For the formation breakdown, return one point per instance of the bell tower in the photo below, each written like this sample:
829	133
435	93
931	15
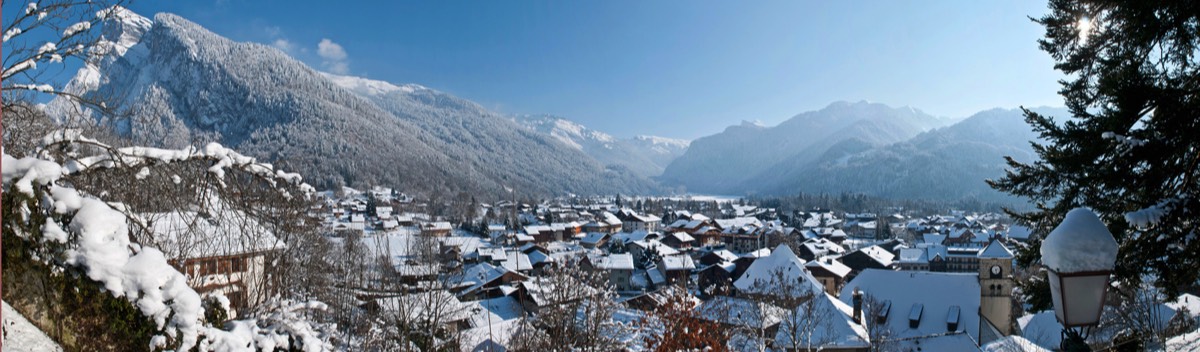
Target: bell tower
996	286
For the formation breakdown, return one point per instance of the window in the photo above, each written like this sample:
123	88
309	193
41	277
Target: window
238	265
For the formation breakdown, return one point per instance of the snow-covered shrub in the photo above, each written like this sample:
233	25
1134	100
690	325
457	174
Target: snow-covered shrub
79	235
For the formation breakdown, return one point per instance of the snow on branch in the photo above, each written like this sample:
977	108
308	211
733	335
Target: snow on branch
224	158
1150	216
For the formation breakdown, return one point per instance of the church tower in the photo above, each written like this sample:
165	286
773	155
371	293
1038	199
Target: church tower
996	286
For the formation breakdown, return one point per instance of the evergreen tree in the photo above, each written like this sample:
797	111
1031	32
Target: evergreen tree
1130	151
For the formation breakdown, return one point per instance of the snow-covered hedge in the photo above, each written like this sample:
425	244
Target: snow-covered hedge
95	235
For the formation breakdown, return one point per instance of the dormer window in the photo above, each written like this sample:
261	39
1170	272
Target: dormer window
914	315
952	319
882	316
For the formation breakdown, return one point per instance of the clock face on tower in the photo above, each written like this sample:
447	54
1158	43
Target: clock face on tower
995	271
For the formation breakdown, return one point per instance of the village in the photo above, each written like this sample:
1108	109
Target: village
799	281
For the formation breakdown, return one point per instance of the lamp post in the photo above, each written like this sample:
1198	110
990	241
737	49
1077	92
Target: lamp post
1079	256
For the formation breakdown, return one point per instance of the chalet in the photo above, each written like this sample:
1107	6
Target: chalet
830	272
872	257
436	229
633	221
594	240
716	275
740	314
676	268
746	259
217	254
763	276
679	240
482	280
618	267
718	256
819	247
841	327
647	250
382	212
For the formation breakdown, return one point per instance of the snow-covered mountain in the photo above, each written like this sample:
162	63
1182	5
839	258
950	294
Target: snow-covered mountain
948	163
177	83
645	155
749	156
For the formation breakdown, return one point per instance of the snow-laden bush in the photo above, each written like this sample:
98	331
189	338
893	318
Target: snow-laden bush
83	232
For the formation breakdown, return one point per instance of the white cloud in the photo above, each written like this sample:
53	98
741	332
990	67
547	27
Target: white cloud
283	44
330	50
334	56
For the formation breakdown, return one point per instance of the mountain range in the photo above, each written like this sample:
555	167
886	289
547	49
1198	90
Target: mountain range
646	156
174	83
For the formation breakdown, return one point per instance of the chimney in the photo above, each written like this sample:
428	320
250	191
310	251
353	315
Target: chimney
857	297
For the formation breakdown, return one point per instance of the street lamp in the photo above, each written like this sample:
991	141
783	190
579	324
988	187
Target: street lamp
1079	255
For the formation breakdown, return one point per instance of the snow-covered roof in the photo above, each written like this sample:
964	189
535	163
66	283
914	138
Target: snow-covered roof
879	254
760	277
738	222
937	292
496	310
933	238
757	253
188	235
831	265
1019	232
1013	343
1187	301
836	330
683	237
740	312
662	248
677	262
725	255
516	261
422	305
913	256
622	261
996	250
1080	243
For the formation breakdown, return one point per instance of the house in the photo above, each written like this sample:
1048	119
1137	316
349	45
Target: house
679	240
925	310
830	272
434	305
838	327
676	268
218	254
715	276
648	250
718	256
633	221
482	280
436	229
814	248
619	268
782	274
873	257
741	315
594	240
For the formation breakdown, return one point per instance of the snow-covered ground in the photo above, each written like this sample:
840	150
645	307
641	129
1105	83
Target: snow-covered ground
21	335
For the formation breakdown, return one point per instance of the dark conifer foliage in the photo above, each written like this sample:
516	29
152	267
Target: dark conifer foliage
1130	149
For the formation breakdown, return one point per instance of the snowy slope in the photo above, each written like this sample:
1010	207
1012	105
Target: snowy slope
647	156
20	335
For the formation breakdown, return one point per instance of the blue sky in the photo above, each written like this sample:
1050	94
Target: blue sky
680	69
